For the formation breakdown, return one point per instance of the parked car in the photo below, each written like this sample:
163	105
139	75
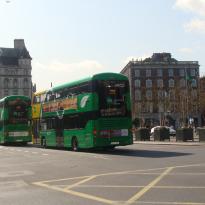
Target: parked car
172	131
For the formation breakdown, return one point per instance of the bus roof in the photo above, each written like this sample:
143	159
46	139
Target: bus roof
100	76
12	97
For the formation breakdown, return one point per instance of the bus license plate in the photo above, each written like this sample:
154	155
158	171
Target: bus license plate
115	143
124	132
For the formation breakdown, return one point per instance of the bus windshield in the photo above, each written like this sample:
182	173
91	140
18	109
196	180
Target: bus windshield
112	97
18	111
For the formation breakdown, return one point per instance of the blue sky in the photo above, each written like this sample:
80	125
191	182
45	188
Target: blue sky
72	39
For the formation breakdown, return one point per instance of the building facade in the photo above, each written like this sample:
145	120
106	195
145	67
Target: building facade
202	100
164	91
15	70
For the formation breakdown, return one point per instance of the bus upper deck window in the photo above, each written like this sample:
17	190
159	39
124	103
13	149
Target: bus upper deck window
42	98
57	95
34	99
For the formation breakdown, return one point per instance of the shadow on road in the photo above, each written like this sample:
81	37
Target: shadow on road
141	153
122	152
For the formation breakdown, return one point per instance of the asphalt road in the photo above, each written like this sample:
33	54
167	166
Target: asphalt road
137	174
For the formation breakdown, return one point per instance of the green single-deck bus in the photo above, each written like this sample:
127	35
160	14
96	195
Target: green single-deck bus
15	120
89	113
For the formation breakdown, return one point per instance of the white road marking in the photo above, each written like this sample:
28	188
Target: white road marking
15	173
133	200
34	152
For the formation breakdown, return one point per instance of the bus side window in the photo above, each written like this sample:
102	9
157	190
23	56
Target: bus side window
52	97
48	96
43	98
35	99
57	95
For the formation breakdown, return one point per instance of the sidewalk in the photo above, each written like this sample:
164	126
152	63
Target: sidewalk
172	142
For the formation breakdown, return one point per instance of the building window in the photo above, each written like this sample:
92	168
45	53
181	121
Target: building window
25	82
6	92
182	83
148	73
181	73
160	94
193	72
15	83
137	95
25	72
25	92
172	107
15	92
148	83
171	83
137	83
159	72
193	83
27	62
194	94
149	95
195	108
170	72
161	107
172	95
137	73
138	108
149	107
6	83
159	83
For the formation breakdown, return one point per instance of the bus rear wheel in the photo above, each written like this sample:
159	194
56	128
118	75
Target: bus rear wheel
24	143
74	144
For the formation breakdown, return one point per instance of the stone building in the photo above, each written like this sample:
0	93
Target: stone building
15	70
164	91
202	100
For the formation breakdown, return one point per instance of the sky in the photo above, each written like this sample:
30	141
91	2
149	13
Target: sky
73	39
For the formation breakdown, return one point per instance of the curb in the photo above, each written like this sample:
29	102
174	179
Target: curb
170	143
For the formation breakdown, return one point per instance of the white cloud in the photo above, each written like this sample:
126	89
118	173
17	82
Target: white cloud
58	72
186	50
195	6
195	25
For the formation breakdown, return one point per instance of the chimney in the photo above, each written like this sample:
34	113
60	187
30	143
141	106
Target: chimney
19	43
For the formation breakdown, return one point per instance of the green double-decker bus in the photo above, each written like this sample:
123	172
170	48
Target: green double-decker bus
89	113
15	120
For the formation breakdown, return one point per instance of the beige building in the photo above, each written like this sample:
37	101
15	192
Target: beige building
15	70
164	90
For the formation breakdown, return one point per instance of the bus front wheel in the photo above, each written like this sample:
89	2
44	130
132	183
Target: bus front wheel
74	144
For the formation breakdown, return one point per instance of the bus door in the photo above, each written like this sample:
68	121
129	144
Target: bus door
36	130
59	132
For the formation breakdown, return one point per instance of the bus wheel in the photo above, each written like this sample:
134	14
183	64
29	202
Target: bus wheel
24	143
74	144
112	147
43	143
